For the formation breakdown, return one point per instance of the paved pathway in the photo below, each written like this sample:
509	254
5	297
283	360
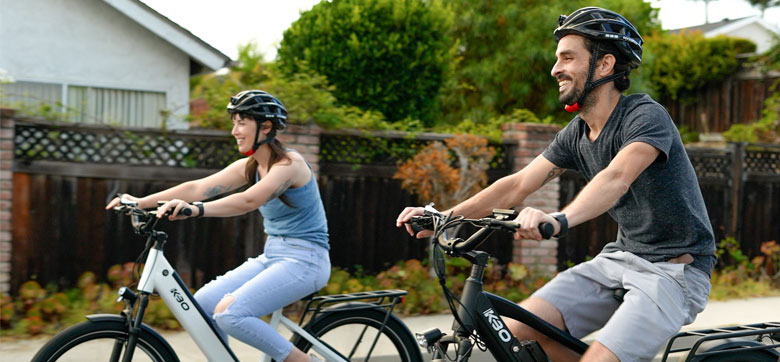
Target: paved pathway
717	314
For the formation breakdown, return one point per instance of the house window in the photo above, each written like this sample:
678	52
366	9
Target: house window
31	98
82	104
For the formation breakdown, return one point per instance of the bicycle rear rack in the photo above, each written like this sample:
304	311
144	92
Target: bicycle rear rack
760	332
384	299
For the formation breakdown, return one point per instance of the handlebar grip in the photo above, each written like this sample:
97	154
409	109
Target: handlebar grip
420	223
186	212
547	230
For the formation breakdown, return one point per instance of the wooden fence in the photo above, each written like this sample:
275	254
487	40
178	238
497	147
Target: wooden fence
362	201
62	176
736	100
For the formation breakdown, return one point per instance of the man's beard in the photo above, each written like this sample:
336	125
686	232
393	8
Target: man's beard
571	96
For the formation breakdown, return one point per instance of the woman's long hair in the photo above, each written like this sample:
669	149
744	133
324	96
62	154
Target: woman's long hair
278	154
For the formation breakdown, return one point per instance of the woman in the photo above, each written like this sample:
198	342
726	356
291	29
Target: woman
295	262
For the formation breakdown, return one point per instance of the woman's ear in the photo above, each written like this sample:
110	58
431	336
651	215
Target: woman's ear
266	127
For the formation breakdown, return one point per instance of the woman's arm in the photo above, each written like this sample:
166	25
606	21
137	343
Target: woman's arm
227	179
281	177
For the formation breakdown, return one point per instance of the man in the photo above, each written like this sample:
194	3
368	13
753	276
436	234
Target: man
629	150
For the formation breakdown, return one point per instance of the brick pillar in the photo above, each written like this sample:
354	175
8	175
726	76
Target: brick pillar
304	139
6	193
532	139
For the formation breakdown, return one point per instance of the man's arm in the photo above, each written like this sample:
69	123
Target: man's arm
609	185
509	191
599	195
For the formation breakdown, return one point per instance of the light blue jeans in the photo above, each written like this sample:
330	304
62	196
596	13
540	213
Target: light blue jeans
288	270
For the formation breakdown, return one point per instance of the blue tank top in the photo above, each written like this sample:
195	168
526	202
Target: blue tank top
305	220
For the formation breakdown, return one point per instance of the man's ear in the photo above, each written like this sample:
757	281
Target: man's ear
607	65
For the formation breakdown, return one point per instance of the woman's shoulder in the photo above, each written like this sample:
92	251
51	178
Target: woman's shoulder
296	159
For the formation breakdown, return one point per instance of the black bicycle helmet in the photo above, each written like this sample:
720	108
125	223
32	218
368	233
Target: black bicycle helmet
602	25
262	107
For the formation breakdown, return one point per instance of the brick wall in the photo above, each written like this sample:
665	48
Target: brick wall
304	139
531	140
6	192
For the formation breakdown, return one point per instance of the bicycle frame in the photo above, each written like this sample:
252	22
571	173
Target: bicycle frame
482	311
277	318
159	276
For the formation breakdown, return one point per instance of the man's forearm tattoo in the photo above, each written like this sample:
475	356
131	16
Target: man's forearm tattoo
555	172
282	188
216	190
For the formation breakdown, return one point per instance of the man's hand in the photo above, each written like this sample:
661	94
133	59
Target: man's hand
406	215
530	219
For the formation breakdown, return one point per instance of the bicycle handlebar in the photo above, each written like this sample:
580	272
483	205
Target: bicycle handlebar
433	220
143	221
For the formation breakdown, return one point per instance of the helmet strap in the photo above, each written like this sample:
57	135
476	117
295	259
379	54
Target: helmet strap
270	138
591	85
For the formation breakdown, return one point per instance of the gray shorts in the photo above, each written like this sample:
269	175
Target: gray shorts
661	298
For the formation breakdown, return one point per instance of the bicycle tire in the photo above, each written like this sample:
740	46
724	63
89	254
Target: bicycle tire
395	336
91	338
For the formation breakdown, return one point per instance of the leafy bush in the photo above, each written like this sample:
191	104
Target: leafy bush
687	134
39	310
685	62
737	276
384	55
766	129
307	95
431	176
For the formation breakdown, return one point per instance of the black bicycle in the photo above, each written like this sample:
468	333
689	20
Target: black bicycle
478	314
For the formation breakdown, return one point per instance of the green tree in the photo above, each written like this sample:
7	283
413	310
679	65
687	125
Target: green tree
507	50
384	55
307	95
685	62
764	4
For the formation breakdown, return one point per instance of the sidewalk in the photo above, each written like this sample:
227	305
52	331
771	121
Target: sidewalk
717	314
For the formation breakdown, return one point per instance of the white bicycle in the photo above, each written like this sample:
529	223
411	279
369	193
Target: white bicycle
345	327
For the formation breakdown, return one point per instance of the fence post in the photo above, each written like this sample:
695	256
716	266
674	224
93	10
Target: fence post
737	182
304	138
532	139
6	195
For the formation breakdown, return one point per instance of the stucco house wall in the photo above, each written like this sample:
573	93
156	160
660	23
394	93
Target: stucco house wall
116	44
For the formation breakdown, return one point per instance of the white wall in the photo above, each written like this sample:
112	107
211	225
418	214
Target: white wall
757	34
87	42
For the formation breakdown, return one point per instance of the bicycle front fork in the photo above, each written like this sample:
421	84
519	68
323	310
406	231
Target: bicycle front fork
133	325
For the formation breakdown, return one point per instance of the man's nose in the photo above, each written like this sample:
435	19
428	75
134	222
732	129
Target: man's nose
555	70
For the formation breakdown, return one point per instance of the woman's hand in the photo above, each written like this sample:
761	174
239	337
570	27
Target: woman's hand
115	201
176	207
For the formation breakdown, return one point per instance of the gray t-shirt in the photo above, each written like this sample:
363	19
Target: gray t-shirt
662	215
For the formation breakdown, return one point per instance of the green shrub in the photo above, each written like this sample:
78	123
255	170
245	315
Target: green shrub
685	62
766	129
738	276
384	55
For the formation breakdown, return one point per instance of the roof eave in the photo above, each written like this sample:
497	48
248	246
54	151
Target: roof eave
198	50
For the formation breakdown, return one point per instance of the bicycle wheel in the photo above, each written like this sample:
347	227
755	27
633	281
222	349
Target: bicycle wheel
352	333
102	341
